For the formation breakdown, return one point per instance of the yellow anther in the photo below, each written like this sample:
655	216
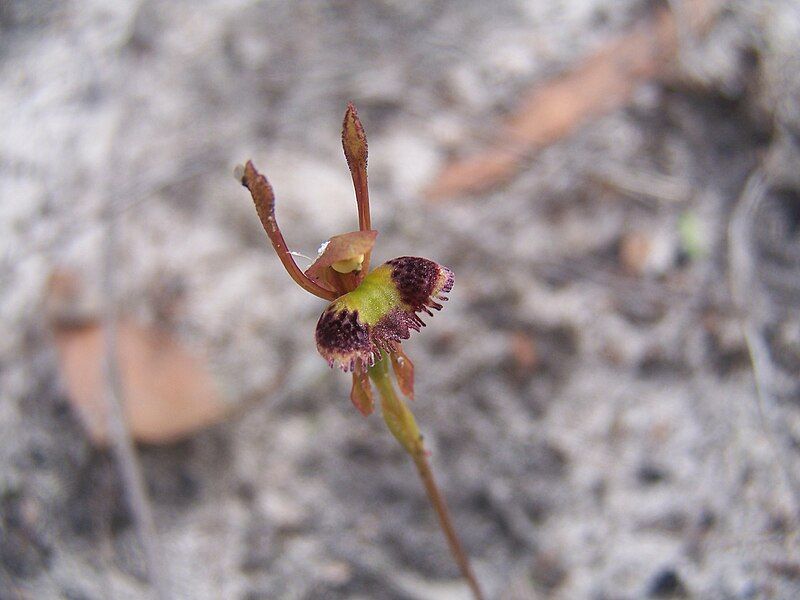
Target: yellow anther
349	264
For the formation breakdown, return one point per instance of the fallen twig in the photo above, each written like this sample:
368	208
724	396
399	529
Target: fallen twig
119	434
742	271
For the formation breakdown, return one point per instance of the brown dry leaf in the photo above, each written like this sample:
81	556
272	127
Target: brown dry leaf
523	352
552	110
168	392
634	251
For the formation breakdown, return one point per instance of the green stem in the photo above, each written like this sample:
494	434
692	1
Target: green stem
403	426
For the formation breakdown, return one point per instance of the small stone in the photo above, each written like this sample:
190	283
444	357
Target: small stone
647	253
287	516
666	584
336	572
547	571
649	474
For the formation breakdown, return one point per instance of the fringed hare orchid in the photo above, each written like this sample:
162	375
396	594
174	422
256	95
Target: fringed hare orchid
369	312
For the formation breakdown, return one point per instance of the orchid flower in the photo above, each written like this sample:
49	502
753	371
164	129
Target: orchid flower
369	312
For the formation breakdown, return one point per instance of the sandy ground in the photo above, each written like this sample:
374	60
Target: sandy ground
588	393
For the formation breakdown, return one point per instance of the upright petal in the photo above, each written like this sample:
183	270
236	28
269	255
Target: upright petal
340	249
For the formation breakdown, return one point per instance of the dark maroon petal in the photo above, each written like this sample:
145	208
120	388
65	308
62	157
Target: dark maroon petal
342	338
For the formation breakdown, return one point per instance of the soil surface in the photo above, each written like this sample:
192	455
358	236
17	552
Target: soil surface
588	394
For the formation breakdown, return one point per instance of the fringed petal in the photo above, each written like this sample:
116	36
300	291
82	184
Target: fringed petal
381	311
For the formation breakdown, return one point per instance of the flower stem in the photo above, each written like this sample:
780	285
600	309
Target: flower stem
403	426
436	499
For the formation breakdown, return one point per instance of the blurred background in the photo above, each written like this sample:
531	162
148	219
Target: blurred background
610	396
